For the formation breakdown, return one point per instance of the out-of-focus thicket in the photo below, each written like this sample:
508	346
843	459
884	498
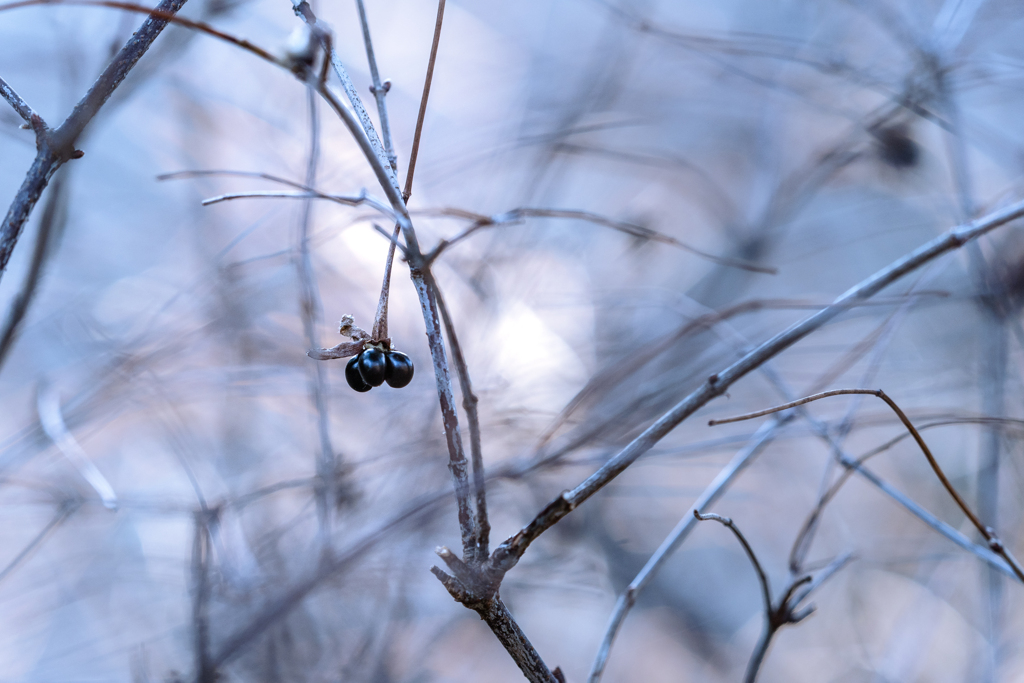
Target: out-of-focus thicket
820	139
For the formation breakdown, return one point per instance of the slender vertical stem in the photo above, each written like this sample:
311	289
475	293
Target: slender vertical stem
993	306
309	304
423	101
993	375
206	670
51	225
381	319
380	322
457	464
469	403
757	657
303	9
380	90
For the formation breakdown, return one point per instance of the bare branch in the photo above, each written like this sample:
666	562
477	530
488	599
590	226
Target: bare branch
778	614
457	463
379	90
303	9
505	628
56	147
310	312
469	402
64	511
206	671
987	532
766	589
14	99
414	154
51	226
509	552
162	13
419	272
711	493
517	215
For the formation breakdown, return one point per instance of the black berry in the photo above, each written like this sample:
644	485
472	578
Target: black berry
352	376
399	369
372	366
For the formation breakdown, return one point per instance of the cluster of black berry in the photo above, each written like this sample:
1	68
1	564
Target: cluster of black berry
372	367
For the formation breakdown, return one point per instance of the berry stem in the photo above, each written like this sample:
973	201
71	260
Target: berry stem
380	321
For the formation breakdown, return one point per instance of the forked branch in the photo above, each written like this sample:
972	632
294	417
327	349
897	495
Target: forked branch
786	610
506	555
987	532
56	147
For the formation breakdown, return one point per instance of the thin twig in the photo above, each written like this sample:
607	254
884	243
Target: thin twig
51	226
14	99
63	512
309	306
516	215
508	553
380	318
380	321
776	615
802	542
206	670
305	190
987	532
994	307
775	618
414	154
347	200
766	589
323	35
686	524
161	13
56	147
379	90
